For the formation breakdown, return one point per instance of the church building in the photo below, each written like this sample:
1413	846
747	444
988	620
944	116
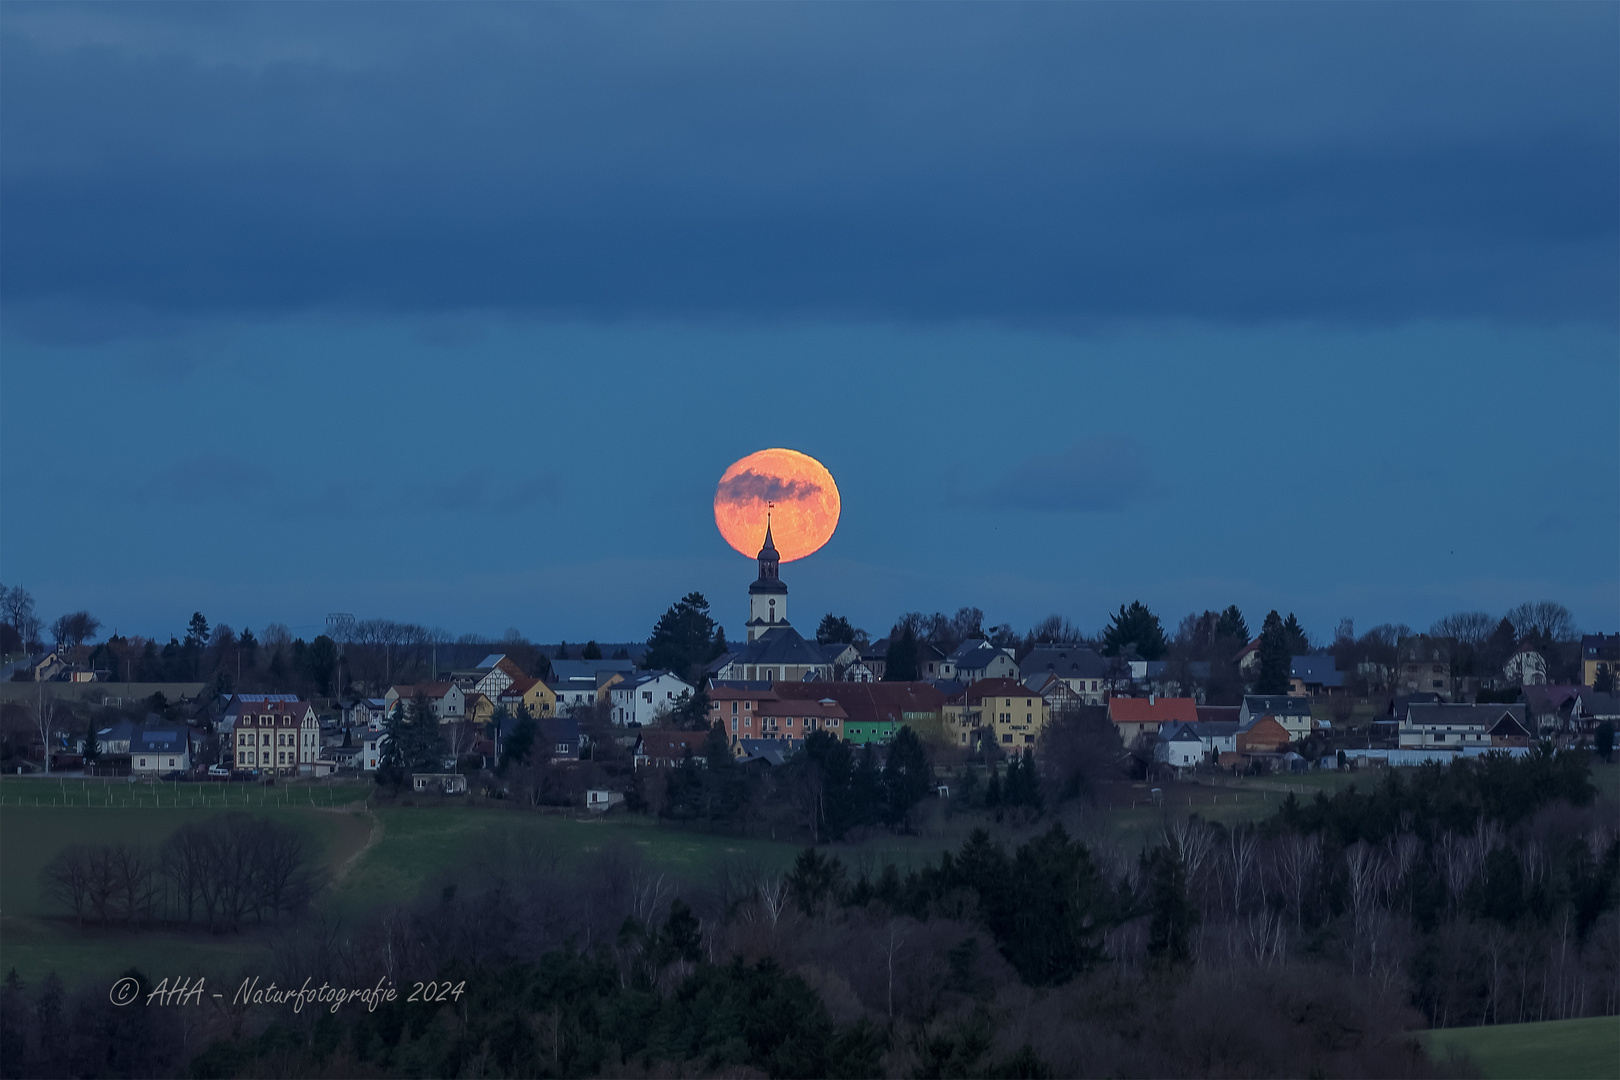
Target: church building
774	651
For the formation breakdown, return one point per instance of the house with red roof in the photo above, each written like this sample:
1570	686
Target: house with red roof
1135	717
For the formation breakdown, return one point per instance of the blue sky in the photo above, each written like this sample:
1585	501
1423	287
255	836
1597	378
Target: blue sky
456	314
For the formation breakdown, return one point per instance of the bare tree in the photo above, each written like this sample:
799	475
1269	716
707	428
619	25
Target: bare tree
74	629
1470	627
1242	845
1298	862
1544	621
44	713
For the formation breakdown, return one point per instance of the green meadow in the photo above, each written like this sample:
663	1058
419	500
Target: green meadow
1554	1050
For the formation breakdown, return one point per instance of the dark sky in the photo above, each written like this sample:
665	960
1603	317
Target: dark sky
456	314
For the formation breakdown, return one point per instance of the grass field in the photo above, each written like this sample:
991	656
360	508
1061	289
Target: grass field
1555	1050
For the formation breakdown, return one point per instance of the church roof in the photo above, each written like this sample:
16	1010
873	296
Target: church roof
780	645
769	550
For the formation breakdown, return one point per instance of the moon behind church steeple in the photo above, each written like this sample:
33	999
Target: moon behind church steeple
794	488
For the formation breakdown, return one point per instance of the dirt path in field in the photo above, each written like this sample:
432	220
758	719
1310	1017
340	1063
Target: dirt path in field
371	842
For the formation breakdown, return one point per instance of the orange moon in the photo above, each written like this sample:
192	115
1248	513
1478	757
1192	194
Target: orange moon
801	496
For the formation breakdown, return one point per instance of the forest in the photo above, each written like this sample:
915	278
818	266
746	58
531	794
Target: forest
1312	942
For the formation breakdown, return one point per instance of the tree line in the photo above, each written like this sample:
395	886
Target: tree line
220	874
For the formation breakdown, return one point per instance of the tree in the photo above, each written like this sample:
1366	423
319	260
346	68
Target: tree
74	629
901	665
591	651
92	744
44	714
320	662
17	607
1603	679
908	777
1231	626
1299	642
562	650
1276	656
196	631
835	630
1604	740
1469	627
1134	626
685	639
1542	623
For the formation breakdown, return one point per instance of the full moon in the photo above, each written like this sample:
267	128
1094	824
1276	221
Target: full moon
797	490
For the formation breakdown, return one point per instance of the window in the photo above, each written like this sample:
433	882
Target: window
733	723
143	763
733	708
646	695
1007	738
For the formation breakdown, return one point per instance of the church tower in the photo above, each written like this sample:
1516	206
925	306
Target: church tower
767	596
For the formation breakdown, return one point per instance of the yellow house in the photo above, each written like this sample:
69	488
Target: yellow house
531	694
480	710
1004	711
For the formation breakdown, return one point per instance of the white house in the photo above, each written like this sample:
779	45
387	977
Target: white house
1180	747
371	751
448	701
1447	726
157	752
975	660
645	698
1527	667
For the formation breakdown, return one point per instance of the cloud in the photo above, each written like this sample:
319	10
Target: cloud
1048	165
749	486
1094	475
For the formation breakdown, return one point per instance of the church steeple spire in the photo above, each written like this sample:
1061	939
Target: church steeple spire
767	596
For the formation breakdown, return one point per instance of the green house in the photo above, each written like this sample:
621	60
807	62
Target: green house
861	732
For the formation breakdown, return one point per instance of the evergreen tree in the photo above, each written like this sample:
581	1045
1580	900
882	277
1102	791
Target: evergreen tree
1134	626
562	650
1299	642
1603	740
320	663
1603	679
685	639
516	746
835	630
901	665
1173	915
1276	657
908	777
426	745
992	790
1231	626
92	745
591	651
392	768
866	789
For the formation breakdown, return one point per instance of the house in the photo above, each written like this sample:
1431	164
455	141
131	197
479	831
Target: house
1165	678
1424	666
276	736
659	748
840	655
1135	717
1448	726
372	750
876	656
1248	661
1550	706
1265	736
494	674
365	713
447	700
160	751
1293	713
116	740
798	718
647	698
1003	711
1179	746
601	800
1313	676
978	659
46	666
1591	708
736	703
344	757
1083	670
533	695
1600	655
858	672
580	684
776	653
874	711
443	783
1526	667
930	661
237	702
1060	698
561	737
767	752
1218	736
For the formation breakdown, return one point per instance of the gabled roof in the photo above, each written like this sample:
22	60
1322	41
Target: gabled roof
869	702
824	707
781	646
587	669
663	743
998	687
1276	705
1315	669
1486	716
1065	661
877	650
741	689
975	655
1180	732
1600	647
1220	714
765	751
490	662
1550	698
1594	703
1161	710
155	741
